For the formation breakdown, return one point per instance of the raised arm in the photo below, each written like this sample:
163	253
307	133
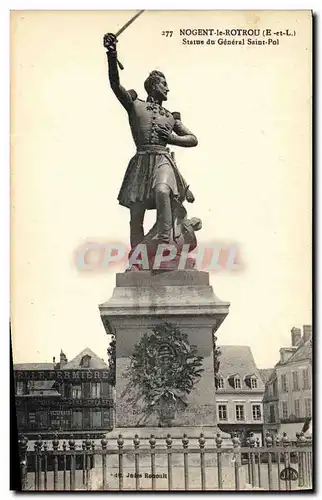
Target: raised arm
125	97
181	136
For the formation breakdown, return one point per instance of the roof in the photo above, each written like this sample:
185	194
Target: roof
302	353
95	362
238	359
266	374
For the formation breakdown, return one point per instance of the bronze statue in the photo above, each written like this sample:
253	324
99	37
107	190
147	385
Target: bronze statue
182	233
152	179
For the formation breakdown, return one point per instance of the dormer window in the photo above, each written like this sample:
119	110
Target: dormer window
253	383
219	382
237	383
85	361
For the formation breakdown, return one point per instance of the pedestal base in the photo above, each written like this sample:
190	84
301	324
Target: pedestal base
185	299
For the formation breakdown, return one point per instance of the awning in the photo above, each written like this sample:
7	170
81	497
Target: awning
291	429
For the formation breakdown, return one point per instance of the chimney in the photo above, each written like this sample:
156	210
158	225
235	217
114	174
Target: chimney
63	359
307	332
296	336
286	353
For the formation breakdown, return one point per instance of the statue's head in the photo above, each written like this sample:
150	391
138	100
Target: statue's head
196	223
156	85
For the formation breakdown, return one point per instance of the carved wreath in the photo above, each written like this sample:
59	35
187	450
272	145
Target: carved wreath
164	367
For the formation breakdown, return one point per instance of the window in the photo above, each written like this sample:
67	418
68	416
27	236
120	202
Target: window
77	419
253	383
275	391
284	409
20	388
308	407
85	361
240	415
96	419
96	390
237	383
222	412
297	407
284	382
219	382
306	384
76	391
257	413
271	414
295	381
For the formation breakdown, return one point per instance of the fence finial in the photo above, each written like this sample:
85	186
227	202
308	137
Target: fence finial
136	442
55	442
87	443
285	440
120	442
218	440
202	440
301	439
38	443
258	442
104	443
152	442
235	440
185	441
252	440
268	440
169	441
23	443
71	442
64	445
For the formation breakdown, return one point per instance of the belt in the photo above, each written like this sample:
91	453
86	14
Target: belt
152	148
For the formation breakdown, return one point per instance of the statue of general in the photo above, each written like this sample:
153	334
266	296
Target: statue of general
152	179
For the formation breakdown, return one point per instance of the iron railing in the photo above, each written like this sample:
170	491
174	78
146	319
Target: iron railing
167	464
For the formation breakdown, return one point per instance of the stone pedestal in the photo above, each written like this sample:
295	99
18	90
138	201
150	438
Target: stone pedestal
143	299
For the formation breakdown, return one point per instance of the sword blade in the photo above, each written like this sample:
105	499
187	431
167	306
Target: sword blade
126	25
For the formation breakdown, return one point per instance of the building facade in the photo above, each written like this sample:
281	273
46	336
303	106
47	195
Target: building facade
66	397
288	391
239	393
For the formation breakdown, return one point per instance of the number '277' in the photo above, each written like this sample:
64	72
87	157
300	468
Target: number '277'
167	33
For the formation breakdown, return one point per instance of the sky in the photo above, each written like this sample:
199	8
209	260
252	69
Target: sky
250	108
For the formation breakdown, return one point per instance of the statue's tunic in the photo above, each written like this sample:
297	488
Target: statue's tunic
152	163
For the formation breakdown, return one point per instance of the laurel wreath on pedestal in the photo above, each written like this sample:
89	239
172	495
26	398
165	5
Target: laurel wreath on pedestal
164	368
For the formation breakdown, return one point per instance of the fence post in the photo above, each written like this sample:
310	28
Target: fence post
88	459
258	462
23	446
65	465
236	445
71	443
55	448
38	446
185	444
301	441
287	459
252	442
152	442
219	461
169	446
136	443
104	447
269	443
277	444
120	443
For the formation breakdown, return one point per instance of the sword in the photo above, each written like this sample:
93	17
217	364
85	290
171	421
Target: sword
126	25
